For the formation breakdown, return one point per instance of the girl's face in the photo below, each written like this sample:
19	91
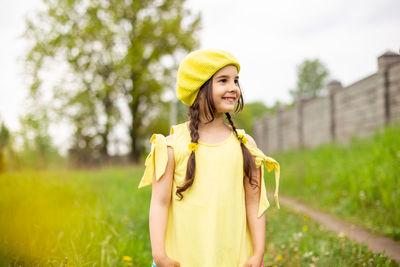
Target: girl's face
225	89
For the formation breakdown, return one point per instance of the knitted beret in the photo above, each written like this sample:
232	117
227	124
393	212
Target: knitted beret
196	68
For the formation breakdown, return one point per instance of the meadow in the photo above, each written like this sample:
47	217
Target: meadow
100	218
359	181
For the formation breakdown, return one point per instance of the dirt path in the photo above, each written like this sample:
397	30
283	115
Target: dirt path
376	243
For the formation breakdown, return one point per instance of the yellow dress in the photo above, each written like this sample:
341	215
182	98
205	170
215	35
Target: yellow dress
208	227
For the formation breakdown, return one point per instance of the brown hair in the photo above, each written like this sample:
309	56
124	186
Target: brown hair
209	110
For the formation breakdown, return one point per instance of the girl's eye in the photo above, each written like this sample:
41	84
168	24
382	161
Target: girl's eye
237	81
222	80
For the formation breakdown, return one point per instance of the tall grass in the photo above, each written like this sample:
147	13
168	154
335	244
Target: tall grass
100	218
359	181
82	218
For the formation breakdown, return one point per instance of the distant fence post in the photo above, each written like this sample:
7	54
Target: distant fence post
301	99
333	87
384	63
266	132
279	121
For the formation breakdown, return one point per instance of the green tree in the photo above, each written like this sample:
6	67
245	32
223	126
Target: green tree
311	75
118	53
4	141
37	148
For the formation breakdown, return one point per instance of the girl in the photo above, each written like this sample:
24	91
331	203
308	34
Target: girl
208	197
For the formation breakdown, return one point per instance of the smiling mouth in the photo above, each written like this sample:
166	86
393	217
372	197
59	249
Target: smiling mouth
230	99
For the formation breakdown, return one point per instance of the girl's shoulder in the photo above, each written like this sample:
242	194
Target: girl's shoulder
179	133
179	129
179	140
246	137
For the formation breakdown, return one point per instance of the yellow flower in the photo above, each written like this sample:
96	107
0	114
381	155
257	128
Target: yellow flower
128	263
242	138
278	257
193	146
305	228
127	258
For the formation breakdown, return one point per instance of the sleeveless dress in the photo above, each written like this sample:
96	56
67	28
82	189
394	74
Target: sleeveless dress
208	227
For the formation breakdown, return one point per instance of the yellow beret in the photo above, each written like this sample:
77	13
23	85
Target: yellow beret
196	68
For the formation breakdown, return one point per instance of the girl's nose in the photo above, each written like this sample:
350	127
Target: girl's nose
234	87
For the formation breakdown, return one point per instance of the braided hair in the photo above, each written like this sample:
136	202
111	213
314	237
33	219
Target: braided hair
194	120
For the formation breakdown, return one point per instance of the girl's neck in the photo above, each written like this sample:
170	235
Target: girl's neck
216	124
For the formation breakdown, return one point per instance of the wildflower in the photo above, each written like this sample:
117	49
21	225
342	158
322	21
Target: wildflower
314	259
127	258
193	146
242	138
305	228
307	254
278	257
342	234
297	236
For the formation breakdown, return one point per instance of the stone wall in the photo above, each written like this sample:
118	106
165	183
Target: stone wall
316	122
356	110
394	92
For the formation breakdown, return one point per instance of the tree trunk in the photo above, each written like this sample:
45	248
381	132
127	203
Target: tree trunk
135	147
136	121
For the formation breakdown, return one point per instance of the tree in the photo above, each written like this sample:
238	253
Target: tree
4	140
37	143
311	75
118	53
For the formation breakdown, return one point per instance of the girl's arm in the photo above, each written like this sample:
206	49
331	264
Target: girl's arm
159	206
256	225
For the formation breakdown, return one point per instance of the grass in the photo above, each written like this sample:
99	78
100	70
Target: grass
293	239
100	218
358	182
80	218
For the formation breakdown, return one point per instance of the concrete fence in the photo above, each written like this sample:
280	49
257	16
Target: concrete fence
358	109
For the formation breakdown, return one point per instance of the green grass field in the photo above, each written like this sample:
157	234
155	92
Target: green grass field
100	218
359	182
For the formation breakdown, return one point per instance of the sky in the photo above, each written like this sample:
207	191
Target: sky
269	38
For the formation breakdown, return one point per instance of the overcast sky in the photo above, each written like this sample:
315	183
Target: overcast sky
269	38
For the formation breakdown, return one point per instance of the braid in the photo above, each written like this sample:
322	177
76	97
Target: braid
248	163
194	112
